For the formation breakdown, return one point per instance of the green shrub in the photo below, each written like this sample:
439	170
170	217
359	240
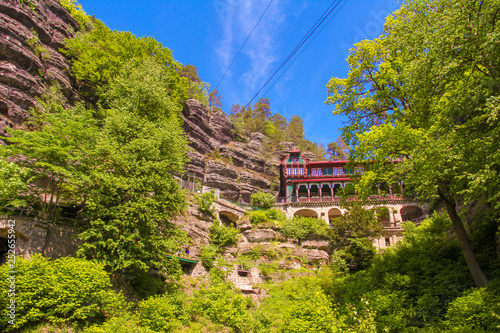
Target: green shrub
262	200
258	217
221	304
208	253
297	305
476	309
205	202
67	290
123	324
302	227
221	235
160	314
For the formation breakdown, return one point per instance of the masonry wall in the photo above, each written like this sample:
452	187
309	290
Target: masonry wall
36	236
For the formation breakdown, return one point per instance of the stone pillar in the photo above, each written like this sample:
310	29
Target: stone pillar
308	192
320	191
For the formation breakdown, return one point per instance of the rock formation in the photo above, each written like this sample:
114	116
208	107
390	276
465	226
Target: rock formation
30	61
223	160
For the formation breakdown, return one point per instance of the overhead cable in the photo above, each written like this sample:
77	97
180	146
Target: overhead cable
297	57
311	31
241	48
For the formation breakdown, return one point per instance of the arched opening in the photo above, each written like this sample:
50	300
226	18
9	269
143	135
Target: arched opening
333	214
306	213
4	248
314	191
337	190
326	191
228	218
302	191
411	213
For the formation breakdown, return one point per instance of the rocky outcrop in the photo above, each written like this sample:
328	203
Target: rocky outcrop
260	235
30	61
222	160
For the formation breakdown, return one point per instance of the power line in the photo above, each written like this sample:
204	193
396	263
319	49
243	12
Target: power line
311	31
241	48
297	57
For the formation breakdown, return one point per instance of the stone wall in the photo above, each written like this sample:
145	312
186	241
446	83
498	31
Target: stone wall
35	236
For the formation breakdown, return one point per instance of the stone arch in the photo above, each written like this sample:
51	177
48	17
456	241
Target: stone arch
333	213
228	218
20	239
411	213
306	213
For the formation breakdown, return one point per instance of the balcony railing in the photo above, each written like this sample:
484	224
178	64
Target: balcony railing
338	199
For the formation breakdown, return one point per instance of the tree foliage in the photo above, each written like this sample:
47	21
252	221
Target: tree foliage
67	290
425	94
262	200
51	155
132	190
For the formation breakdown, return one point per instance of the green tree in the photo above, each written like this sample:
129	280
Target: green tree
51	153
67	290
426	94
132	191
338	150
357	222
98	56
262	200
214	100
295	130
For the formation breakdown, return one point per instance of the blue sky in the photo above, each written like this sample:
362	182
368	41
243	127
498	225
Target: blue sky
208	34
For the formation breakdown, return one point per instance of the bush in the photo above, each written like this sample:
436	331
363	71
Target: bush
222	236
262	200
258	217
67	290
160	314
302	227
208	254
122	324
297	305
274	216
221	304
205	202
476	309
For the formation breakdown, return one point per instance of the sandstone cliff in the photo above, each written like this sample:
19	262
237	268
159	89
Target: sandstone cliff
237	166
30	60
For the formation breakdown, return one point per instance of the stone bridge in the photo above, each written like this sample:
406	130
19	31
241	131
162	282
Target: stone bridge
227	211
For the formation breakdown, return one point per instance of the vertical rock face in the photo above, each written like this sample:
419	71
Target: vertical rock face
222	160
30	61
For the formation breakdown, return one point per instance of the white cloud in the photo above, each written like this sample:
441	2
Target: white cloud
254	64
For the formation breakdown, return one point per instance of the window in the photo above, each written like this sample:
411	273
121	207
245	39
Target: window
295	171
320	173
301	172
289	171
341	171
387	242
335	171
313	172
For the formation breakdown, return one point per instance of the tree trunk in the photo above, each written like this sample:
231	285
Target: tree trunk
474	268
